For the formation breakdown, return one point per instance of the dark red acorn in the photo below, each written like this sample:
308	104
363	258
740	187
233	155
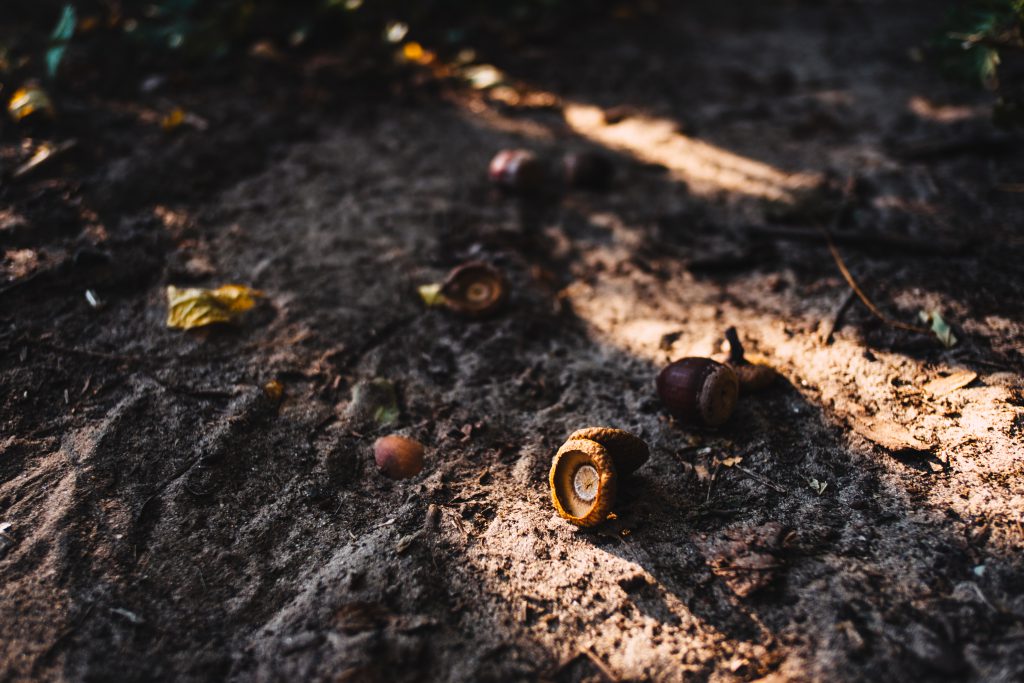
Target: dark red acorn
698	391
517	170
588	170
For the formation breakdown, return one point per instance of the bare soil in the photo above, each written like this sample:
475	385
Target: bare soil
170	520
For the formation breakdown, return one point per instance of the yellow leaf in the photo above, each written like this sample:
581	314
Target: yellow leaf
173	119
431	294
28	100
191	307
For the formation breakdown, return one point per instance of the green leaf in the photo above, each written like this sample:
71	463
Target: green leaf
59	39
940	328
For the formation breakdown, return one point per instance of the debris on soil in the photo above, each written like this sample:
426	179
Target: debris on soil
748	558
949	384
398	457
374	400
939	327
44	154
28	100
889	435
192	307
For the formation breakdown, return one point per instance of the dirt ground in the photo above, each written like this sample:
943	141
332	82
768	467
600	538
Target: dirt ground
169	520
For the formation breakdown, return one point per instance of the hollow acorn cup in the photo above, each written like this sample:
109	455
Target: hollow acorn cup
698	391
398	457
586	470
474	289
516	170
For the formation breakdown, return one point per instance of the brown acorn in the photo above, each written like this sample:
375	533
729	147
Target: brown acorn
517	170
698	391
752	376
587	170
474	288
398	457
586	469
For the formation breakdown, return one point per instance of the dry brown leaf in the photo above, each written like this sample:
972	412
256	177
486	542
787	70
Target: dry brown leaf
192	307
887	434
947	385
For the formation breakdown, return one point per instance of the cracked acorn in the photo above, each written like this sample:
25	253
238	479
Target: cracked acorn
473	289
586	471
698	391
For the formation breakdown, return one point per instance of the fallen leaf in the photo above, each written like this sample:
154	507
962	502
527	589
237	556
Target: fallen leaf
29	100
940	328
431	294
192	307
946	385
747	558
59	39
817	486
887	434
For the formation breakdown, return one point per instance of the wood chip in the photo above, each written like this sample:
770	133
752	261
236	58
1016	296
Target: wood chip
947	385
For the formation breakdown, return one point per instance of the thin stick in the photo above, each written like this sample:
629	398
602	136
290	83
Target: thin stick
849	277
758	478
602	667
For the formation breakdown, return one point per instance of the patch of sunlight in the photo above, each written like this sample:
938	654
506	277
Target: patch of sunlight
704	167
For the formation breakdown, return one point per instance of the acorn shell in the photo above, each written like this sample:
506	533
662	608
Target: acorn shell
518	170
698	391
398	457
583	482
474	289
628	451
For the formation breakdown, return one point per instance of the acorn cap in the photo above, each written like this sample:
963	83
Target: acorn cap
628	451
475	288
582	482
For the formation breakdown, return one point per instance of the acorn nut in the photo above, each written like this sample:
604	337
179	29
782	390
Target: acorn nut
474	289
587	170
516	170
586	469
698	391
398	457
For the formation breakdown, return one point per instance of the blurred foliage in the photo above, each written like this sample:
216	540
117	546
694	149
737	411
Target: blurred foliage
142	34
984	42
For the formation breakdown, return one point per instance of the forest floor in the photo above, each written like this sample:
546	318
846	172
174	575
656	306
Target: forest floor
164	518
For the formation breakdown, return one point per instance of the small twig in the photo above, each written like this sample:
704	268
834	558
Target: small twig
868	240
837	317
601	666
714	478
847	192
761	479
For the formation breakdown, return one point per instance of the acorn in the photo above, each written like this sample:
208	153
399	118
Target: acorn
587	170
698	391
585	472
398	457
474	289
752	376
517	170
